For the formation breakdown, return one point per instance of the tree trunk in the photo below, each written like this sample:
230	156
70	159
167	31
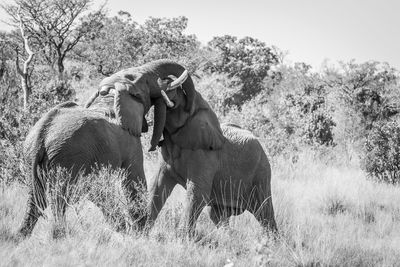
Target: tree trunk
25	89
60	68
24	73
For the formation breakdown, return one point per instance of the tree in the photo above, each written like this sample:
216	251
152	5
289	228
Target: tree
117	45
165	38
248	59
382	152
11	52
365	94
299	104
124	43
55	26
25	72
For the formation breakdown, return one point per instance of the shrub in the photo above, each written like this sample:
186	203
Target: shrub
382	152
16	122
320	128
104	188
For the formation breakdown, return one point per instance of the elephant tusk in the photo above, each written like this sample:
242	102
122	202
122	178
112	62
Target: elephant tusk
92	99
168	102
178	82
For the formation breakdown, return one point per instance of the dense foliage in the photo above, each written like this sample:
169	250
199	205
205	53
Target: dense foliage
382	152
348	109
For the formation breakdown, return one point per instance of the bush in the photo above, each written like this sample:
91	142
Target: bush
320	128
16	122
104	188
382	152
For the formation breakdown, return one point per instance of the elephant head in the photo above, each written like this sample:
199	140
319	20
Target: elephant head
129	109
197	129
137	89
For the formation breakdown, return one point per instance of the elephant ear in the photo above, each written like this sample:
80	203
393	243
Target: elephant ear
128	112
202	131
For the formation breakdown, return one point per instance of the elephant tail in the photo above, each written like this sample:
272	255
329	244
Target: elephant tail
38	182
37	197
36	145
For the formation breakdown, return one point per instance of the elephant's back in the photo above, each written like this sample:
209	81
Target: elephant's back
243	147
239	139
80	138
240	161
35	139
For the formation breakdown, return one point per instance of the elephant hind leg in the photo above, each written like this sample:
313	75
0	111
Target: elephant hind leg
219	216
59	200
35	208
63	189
264	211
262	207
265	215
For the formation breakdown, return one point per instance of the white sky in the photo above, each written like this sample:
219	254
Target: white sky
310	30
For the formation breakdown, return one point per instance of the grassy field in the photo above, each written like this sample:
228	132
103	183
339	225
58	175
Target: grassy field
326	216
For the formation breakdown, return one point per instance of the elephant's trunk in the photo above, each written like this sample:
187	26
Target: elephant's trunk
160	113
163	68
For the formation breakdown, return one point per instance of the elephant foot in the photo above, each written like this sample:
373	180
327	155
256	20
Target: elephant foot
59	231
24	232
271	231
271	227
26	228
15	238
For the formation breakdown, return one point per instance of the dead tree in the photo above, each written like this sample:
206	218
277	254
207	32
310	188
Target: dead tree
24	72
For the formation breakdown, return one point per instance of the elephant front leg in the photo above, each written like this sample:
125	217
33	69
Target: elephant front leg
162	186
200	168
198	196
134	187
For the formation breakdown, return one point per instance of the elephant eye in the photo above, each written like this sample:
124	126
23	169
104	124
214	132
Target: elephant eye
130	77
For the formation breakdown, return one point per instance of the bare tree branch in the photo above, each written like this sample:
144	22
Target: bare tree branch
24	73
26	46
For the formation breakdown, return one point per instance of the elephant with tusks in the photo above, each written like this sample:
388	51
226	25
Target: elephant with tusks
222	167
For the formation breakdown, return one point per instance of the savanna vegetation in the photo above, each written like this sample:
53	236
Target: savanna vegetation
332	136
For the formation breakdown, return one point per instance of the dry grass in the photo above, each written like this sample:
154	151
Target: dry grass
326	216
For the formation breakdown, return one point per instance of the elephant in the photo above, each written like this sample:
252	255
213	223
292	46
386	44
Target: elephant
106	131
222	167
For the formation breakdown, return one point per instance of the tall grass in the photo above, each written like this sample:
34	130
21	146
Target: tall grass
326	215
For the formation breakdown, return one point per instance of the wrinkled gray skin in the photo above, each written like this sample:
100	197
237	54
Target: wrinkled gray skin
79	139
224	168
